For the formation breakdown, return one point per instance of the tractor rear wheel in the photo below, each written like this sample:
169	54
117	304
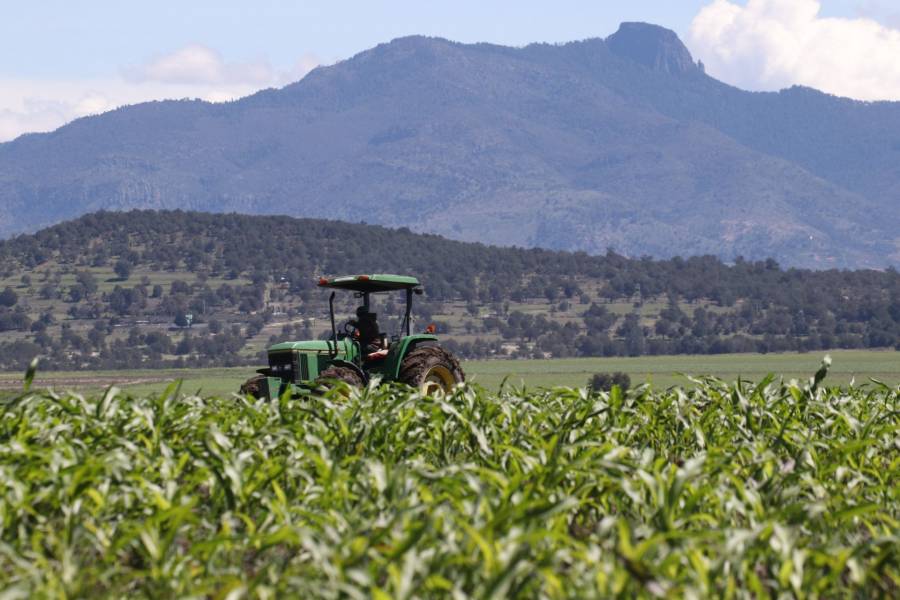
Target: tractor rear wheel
431	368
253	386
345	374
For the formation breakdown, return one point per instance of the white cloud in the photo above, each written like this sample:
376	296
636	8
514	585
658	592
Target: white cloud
772	44
299	69
33	105
196	64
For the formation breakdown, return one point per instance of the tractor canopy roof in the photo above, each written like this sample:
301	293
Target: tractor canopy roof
370	283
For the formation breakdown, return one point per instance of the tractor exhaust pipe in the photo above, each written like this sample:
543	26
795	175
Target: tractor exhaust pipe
333	348
408	318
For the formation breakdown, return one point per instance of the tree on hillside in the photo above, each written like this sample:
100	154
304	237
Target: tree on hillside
76	293
598	319
633	334
122	269
87	281
8	297
125	301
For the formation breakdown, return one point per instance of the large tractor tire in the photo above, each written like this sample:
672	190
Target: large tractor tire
336	373
431	368
253	386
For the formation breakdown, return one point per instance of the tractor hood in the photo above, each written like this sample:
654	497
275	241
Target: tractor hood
312	346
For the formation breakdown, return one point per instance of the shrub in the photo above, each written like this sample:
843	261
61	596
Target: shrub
8	297
603	382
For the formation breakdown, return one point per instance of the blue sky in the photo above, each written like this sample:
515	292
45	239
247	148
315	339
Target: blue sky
63	59
65	38
91	38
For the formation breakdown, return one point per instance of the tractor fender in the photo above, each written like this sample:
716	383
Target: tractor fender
407	344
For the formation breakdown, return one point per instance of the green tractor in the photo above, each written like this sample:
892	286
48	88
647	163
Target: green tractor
359	351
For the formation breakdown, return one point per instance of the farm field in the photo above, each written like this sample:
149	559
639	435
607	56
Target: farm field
663	371
660	371
711	491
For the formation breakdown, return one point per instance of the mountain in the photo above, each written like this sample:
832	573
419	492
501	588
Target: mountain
623	142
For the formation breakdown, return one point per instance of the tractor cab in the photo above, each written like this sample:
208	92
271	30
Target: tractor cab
359	350
374	344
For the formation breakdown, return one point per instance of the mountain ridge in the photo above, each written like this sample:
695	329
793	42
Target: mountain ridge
622	142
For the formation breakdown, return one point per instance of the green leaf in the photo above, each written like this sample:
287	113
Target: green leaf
30	373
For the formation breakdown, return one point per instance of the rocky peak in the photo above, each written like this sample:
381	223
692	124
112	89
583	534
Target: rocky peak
653	46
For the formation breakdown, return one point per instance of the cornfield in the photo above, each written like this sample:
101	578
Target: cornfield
734	490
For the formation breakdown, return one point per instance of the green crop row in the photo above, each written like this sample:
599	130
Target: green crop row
734	490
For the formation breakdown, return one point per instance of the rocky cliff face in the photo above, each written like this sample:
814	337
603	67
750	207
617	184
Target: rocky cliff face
653	46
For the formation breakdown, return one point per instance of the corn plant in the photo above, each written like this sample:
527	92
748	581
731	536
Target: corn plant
734	490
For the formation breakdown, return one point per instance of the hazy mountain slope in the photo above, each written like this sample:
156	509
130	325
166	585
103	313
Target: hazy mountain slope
622	143
852	143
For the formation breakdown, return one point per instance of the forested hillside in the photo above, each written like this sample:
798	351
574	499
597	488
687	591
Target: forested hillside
621	142
173	288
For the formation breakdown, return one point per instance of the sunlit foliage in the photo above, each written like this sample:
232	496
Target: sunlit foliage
736	490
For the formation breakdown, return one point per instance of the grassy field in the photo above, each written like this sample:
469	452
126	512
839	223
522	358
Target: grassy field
665	371
660	371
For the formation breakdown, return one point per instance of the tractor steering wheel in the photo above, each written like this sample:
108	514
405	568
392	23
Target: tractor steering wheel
351	329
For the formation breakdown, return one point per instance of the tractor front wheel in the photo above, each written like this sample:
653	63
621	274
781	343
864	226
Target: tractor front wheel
253	386
346	374
431	368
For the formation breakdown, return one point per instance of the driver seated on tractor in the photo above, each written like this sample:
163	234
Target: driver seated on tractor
370	338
